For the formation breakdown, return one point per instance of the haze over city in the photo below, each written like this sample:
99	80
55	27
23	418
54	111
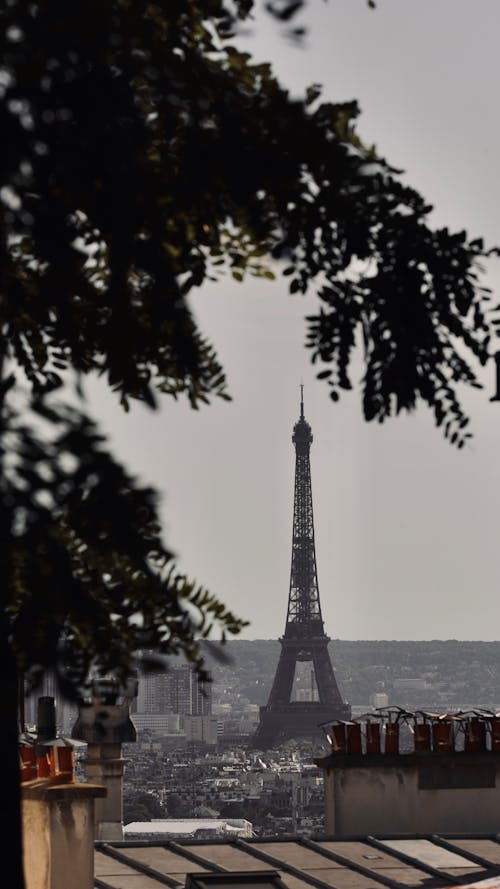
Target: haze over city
406	526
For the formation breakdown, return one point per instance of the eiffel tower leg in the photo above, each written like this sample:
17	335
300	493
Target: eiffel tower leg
328	691
281	690
272	722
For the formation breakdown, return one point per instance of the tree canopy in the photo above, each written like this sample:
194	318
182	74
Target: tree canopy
144	154
141	806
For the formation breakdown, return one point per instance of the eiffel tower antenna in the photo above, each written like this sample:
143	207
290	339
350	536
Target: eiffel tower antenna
304	639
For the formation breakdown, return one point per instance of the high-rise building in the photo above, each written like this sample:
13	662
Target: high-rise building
174	690
202	698
66	711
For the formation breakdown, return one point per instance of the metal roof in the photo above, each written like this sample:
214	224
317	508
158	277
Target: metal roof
359	862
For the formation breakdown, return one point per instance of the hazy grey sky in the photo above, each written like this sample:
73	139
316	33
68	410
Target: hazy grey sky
407	528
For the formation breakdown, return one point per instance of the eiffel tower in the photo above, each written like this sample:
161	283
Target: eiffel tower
304	639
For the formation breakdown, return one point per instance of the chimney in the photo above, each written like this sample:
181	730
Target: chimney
57	811
393	771
46	719
105	725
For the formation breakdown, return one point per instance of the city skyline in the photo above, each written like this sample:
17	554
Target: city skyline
406	526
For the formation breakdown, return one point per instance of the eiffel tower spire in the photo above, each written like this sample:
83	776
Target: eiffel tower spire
304	610
304	639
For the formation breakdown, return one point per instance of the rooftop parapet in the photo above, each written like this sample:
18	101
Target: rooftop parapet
394	730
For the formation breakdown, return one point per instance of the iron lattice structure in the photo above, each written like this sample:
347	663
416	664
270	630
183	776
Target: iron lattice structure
304	639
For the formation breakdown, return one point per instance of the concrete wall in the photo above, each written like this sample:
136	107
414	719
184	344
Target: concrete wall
58	835
442	793
104	766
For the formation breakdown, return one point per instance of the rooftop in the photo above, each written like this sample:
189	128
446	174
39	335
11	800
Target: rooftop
358	862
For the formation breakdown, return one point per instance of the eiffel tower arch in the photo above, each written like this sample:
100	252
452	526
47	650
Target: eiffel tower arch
304	639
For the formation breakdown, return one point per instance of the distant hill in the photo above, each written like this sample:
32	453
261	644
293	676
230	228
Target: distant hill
452	673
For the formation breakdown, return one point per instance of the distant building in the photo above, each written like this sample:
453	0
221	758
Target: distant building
66	711
379	699
158	723
200	729
413	684
197	828
174	690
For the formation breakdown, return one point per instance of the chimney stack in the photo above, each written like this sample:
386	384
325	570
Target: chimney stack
105	725
46	719
57	811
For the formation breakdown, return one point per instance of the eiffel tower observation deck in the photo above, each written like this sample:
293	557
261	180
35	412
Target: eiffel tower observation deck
304	639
